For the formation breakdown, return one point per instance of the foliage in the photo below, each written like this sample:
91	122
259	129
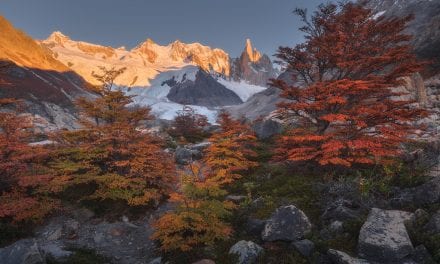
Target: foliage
198	219
112	152
81	256
342	97
21	169
231	150
188	126
200	216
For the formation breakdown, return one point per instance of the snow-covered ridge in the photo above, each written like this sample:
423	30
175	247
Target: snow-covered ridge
143	63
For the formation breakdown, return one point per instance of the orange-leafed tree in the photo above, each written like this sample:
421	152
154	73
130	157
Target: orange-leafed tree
188	126
21	168
347	110
111	152
231	150
199	219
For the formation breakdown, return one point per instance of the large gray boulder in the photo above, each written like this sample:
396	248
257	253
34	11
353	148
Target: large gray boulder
247	252
267	128
339	257
287	223
24	251
384	237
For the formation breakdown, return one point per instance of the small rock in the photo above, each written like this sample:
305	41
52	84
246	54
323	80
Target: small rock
287	223
21	252
339	257
340	210
236	198
156	261
304	247
54	234
247	251
383	237
125	219
337	227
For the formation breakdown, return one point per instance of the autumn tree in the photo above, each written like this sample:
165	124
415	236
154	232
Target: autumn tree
347	111
21	167
112	152
230	151
201	215
188	126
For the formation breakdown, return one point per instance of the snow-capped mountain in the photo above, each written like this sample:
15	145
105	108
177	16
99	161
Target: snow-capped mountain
252	66
168	77
143	63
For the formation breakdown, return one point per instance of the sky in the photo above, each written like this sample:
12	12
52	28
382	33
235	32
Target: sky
221	24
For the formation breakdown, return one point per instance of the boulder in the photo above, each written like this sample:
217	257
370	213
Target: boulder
421	255
55	250
267	128
24	251
287	223
384	237
428	193
247	251
185	155
339	257
305	247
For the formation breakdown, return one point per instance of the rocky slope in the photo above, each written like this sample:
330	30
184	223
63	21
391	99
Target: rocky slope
425	26
252	66
47	86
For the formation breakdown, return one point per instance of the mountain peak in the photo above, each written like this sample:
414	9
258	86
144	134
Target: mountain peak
58	37
253	54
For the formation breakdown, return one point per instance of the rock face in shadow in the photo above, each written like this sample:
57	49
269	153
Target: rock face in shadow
203	91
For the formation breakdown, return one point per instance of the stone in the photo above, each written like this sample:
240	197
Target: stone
24	251
339	257
305	247
55	250
156	261
433	226
54	234
255	226
287	223
267	128
340	210
337	227
384	237
236	198
247	252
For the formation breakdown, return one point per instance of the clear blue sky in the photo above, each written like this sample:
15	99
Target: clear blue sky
218	23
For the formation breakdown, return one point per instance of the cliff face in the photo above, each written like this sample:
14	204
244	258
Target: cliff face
33	75
252	67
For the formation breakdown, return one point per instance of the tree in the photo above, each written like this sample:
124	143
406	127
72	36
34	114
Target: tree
188	125
230	151
199	217
21	169
347	110
112	152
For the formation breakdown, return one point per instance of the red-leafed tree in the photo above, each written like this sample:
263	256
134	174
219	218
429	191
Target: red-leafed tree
347	110
188	126
21	169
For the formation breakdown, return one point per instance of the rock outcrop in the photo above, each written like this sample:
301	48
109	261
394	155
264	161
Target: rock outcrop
204	90
384	238
287	223
252	67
